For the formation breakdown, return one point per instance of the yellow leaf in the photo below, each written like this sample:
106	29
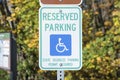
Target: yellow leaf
98	59
99	33
88	46
108	23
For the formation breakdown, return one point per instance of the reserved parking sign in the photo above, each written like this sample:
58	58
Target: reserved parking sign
60	38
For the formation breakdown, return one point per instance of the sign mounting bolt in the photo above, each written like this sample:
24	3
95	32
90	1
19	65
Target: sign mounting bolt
61	64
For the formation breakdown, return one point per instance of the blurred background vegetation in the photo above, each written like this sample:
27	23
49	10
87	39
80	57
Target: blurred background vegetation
101	40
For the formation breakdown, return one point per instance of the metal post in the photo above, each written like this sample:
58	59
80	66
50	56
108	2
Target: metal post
13	72
11	75
60	75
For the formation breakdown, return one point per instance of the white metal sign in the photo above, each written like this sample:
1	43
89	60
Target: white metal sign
60	38
5	51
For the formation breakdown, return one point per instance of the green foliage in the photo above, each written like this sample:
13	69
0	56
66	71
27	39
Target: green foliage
4	75
99	57
117	3
100	43
25	13
27	37
100	50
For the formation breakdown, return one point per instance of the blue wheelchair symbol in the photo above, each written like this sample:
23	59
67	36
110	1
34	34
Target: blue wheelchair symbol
60	45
